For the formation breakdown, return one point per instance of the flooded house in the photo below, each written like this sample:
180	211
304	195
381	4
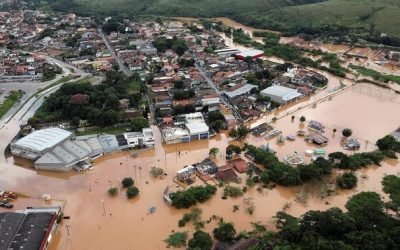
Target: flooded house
187	175
316	126
317	139
227	174
239	165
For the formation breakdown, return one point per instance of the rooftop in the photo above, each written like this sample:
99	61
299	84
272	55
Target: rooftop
43	139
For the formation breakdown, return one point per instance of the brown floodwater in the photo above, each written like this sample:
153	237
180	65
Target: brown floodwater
371	112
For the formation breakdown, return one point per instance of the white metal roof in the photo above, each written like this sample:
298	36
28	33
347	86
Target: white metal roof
197	128
277	90
43	139
251	53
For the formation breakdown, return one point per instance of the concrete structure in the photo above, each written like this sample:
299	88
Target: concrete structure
194	128
280	94
30	229
140	139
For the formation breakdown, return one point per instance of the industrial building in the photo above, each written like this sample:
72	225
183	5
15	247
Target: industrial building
280	94
253	53
30	229
59	150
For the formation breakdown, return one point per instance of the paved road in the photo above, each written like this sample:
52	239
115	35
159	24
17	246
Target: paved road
114	55
127	73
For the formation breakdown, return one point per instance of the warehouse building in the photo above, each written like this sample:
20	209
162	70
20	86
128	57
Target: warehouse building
253	53
280	94
59	150
30	229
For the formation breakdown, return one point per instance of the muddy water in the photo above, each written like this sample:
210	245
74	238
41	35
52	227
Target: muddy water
122	226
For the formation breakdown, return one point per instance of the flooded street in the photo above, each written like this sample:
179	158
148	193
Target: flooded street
98	221
102	222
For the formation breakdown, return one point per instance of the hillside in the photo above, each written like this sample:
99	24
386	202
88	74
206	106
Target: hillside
287	15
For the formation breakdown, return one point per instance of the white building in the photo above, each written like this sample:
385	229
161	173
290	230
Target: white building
140	139
195	129
280	94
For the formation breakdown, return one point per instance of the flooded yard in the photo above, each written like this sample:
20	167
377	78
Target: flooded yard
98	221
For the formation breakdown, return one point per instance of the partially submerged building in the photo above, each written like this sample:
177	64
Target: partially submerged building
280	94
30	229
187	174
194	128
59	150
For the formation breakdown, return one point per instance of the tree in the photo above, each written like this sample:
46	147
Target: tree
138	123
347	180
334	130
156	172
347	132
113	191
127	182
201	241
225	232
366	207
240	133
233	149
132	192
302	119
177	239
213	152
391	186
388	143
232	191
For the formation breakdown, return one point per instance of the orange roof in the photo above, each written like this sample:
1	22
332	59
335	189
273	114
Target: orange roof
240	165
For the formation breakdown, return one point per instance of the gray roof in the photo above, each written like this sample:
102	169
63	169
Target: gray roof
64	154
43	139
240	91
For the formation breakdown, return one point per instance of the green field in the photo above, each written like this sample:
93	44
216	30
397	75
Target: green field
371	16
375	74
9	102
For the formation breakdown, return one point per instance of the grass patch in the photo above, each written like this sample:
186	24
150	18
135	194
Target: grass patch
134	87
375	74
105	130
9	102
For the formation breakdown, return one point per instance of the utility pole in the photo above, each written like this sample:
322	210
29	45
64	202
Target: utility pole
104	208
68	226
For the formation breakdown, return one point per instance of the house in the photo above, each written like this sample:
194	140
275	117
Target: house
317	139
226	174
147	49
238	90
187	174
239	165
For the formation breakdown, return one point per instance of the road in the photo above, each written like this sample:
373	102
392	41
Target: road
127	73
114	55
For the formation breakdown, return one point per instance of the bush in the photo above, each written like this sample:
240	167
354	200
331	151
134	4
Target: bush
225	232
113	191
132	192
177	239
347	181
232	191
156	172
127	182
201	241
190	197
